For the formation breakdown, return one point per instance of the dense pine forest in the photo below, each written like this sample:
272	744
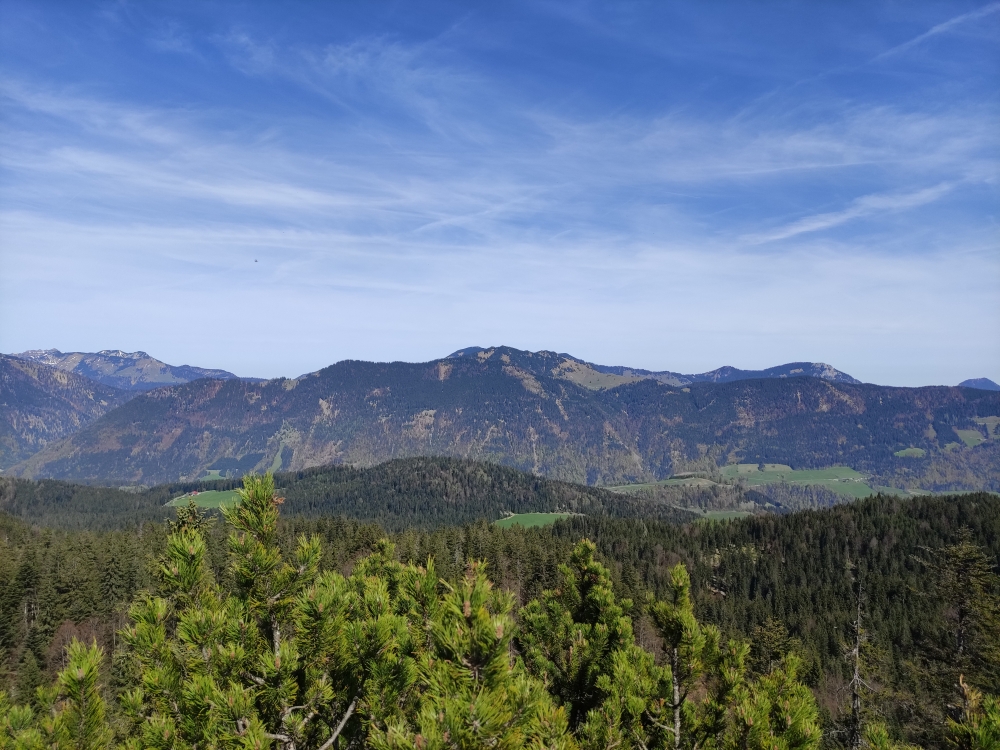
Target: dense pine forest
420	493
874	622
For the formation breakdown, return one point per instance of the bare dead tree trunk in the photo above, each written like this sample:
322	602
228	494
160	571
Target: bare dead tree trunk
675	665
854	737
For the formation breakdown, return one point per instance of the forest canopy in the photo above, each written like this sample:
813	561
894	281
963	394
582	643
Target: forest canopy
598	632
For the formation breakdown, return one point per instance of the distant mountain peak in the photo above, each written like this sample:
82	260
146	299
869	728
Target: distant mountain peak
469	351
983	384
131	371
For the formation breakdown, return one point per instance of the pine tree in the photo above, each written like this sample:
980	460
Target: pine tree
72	714
81	718
965	586
979	727
571	636
29	677
473	695
292	656
875	736
775	712
690	650
965	581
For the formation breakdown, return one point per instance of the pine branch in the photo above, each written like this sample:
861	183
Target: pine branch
340	727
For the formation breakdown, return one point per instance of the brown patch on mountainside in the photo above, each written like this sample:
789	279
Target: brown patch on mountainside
586	376
527	380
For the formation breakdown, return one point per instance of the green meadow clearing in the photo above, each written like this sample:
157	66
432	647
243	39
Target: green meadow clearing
911	453
207	499
992	425
530	520
971	438
840	479
672	482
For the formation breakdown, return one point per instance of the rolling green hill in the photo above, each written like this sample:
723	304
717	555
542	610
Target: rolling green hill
530	411
405	493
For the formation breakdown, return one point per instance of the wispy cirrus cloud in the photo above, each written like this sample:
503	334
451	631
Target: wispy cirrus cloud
941	28
863	207
443	187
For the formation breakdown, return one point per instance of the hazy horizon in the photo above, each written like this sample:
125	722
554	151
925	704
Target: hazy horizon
269	190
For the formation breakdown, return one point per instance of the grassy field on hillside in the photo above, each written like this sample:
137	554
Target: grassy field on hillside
992	425
971	438
529	520
840	479
672	482
911	453
208	499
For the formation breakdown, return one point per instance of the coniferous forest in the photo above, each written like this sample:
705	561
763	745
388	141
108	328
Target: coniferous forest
873	624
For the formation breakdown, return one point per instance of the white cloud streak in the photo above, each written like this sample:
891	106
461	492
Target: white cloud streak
865	206
493	220
941	28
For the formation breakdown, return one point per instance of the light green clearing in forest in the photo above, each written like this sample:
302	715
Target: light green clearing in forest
530	520
207	499
840	479
992	425
971	438
672	482
911	453
211	475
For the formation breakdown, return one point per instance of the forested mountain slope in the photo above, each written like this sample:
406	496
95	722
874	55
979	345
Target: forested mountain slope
423	493
539	413
40	405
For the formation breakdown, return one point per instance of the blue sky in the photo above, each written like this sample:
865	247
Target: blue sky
273	187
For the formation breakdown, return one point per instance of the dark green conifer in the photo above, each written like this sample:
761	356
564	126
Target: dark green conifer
473	695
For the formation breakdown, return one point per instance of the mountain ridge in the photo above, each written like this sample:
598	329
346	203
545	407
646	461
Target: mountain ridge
725	374
538	412
130	371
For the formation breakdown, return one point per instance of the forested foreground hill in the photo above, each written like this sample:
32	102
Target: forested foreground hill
925	569
422	493
542	413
